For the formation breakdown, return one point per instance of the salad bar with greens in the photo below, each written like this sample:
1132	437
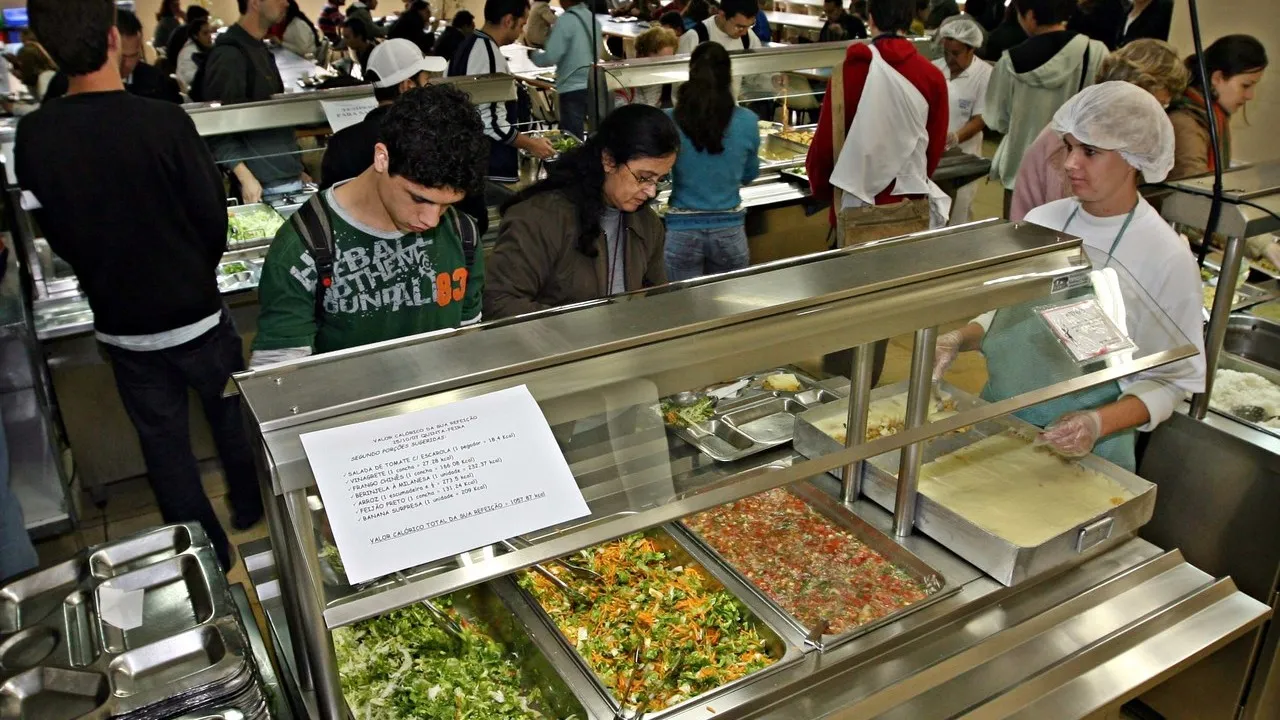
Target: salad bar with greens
405	665
252	222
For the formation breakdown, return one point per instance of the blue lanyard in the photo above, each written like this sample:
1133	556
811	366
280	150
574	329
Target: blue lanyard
1114	243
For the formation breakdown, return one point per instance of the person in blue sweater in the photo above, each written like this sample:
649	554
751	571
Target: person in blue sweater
573	47
719	153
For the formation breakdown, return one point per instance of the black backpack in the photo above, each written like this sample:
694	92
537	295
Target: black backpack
704	35
311	222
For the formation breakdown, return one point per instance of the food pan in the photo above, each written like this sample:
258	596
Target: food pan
750	420
209	659
775	647
178	594
776	153
29	599
482	610
146	548
929	580
815	428
1227	361
52	694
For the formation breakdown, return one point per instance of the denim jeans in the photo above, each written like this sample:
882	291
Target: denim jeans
573	113
153	388
694	253
17	554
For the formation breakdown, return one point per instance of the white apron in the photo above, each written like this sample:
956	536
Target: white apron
887	143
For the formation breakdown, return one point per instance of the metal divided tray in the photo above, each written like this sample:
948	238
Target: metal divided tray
762	618
1247	294
237	275
485	609
844	519
61	659
755	419
999	558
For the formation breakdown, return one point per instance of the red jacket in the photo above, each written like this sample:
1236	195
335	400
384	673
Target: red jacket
902	56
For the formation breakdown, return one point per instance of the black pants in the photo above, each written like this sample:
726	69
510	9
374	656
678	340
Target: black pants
153	387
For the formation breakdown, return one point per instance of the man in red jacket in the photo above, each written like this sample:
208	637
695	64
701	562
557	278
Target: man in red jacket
893	212
895	130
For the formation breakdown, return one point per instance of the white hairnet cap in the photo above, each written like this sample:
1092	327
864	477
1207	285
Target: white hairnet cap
1123	117
962	28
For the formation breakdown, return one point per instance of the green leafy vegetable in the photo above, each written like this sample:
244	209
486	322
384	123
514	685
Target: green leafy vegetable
232	268
256	224
686	415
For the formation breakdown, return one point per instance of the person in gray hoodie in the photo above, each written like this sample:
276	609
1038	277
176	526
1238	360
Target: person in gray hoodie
1033	79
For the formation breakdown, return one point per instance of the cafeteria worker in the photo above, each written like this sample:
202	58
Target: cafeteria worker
1115	135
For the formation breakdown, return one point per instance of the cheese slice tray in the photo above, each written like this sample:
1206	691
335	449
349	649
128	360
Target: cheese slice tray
746	415
1026	500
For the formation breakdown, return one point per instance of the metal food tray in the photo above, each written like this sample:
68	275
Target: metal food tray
246	279
754	421
60	659
811	442
843	518
773	144
999	558
1214	261
794	176
242	242
783	653
482	606
1250	293
1228	361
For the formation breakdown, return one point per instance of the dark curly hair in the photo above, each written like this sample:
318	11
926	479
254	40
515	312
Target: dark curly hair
434	138
628	133
73	32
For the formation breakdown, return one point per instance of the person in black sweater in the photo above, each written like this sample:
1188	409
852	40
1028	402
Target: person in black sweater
1148	19
127	193
350	150
1102	20
140	78
452	37
840	25
413	25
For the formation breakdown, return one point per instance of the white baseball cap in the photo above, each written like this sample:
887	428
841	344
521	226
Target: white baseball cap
397	60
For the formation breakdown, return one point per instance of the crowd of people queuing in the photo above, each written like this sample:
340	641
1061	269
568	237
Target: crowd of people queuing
1089	98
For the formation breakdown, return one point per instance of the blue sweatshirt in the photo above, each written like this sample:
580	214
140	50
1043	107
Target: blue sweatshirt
706	182
574	44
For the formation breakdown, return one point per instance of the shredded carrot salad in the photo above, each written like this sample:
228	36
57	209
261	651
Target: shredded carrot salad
693	635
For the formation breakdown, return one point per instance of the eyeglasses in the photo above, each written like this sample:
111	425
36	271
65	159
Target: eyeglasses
653	183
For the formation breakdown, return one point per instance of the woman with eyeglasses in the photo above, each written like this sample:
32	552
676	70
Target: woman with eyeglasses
587	230
1152	65
719	153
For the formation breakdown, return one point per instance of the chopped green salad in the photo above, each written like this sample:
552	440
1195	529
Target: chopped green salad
256	224
563	142
403	665
232	268
677	415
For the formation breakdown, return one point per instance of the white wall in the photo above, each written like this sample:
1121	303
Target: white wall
1251	140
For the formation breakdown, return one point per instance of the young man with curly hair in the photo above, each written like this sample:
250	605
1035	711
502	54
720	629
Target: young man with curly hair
404	261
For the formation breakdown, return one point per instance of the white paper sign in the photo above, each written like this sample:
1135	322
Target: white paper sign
1084	330
345	113
410	489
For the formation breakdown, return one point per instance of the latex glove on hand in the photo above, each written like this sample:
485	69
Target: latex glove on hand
952	140
945	352
1073	435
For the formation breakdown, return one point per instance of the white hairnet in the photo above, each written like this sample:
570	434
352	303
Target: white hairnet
1123	117
962	28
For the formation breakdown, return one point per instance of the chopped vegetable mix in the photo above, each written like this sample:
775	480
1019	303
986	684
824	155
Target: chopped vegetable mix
811	568
256	224
677	415
403	665
563	143
232	268
693	635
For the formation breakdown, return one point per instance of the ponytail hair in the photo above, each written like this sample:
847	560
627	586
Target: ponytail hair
705	104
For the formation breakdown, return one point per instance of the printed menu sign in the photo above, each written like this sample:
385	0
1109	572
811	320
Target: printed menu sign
1084	330
345	113
410	489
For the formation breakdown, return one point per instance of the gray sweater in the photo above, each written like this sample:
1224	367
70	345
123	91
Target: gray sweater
241	69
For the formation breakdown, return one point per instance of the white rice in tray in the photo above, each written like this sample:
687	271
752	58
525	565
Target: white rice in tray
1233	389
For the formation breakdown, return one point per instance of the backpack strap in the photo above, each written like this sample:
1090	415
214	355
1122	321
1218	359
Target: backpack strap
1084	71
703	34
311	222
746	41
466	229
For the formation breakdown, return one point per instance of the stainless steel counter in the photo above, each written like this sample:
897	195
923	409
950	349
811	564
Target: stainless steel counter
1063	646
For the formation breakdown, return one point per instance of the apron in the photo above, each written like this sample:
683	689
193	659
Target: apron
1021	356
887	143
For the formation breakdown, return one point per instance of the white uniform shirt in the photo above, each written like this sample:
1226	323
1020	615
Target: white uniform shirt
1160	262
758	84
967	93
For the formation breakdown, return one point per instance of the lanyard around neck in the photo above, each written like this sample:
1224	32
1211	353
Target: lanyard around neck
1114	243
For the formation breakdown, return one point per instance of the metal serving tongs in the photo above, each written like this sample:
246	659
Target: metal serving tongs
446	623
621	714
575	596
519	543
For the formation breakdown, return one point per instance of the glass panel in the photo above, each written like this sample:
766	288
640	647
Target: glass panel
771	394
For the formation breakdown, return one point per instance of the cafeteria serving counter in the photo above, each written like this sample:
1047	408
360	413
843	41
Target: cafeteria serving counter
1105	618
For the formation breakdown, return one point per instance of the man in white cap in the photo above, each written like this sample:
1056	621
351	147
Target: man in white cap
967	76
395	67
